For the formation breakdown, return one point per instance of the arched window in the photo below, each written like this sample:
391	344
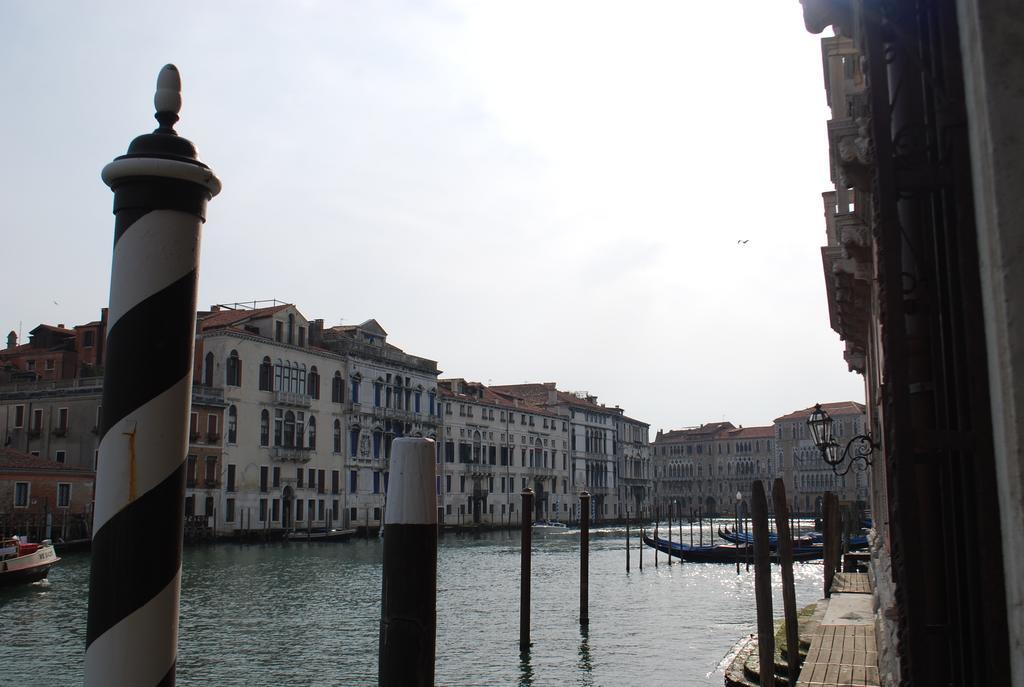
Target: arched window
337	436
233	424
289	429
377	437
299	377
476	447
313	386
279	375
266	375
208	370
311	444
234	370
291	327
337	389
264	428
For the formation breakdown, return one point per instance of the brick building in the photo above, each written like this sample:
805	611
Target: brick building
42	498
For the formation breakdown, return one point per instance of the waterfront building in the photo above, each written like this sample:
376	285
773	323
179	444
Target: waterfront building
593	434
806	475
310	415
495	445
922	264
634	467
704	467
43	498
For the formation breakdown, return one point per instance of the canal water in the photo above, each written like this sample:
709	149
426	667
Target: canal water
307	614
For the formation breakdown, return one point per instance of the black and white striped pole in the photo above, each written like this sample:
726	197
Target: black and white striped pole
160	194
408	604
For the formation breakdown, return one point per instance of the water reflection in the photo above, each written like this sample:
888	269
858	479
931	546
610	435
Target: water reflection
585	664
308	614
525	669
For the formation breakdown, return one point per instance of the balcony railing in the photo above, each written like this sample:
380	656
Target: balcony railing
290	398
291	454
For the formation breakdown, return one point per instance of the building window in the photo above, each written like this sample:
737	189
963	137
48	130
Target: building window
229	510
266	375
21	492
337	388
264	474
263	510
289	429
376	445
89	339
231	477
19	416
37	420
298	509
60	456
353	436
313	386
376	394
277	478
234	370
208	369
212	427
232	424
376	482
190	471
264	428
353	482
355	390
211	471
337	436
335	484
312	433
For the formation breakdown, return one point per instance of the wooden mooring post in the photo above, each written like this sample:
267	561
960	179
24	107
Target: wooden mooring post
584	558
670	534
408	606
783	536
524	573
657	517
627	540
763	587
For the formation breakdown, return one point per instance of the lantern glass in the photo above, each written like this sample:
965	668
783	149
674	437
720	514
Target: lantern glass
831	453
821	427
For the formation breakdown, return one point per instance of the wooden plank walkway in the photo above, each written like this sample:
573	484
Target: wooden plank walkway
841	656
843	649
851	583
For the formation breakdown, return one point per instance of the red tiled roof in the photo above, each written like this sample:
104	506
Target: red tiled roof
538	393
838	408
224	318
446	388
753	433
56	330
10	458
703	432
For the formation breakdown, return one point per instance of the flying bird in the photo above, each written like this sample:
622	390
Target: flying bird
742	242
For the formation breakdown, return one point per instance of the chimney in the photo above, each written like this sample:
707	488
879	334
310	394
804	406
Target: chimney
214	308
12	339
316	332
60	326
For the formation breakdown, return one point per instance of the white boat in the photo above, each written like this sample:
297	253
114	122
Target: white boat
22	563
549	525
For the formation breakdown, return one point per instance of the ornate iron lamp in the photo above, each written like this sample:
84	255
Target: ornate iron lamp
862	445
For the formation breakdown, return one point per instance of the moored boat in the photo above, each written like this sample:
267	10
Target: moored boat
23	563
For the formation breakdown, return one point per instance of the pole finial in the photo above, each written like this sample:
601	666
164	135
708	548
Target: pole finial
167	99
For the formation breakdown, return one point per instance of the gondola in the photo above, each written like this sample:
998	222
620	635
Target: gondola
726	553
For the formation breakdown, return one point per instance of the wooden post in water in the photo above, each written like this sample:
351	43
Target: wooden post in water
763	587
700	526
408	605
627	539
584	558
691	527
670	534
827	527
526	538
785	549
657	517
640	548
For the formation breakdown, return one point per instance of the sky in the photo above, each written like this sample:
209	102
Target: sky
522	191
